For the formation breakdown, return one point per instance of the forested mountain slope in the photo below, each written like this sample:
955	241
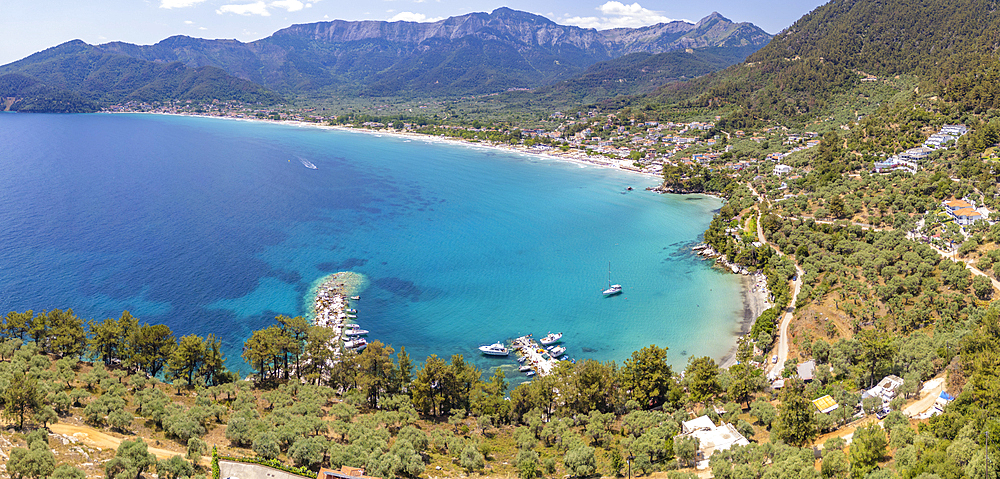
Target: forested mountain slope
949	45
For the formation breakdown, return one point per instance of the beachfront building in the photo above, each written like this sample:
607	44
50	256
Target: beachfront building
710	437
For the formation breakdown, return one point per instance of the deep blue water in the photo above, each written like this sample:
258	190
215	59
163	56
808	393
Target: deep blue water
215	226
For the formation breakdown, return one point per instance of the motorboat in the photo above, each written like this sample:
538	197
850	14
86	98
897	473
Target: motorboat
496	349
552	338
524	368
356	343
355	332
557	351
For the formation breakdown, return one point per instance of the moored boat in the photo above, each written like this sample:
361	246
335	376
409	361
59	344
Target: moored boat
552	338
557	351
613	289
356	343
355	332
496	349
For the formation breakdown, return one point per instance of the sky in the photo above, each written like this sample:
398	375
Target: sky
29	26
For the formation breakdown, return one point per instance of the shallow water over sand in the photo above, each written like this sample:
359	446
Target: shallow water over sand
214	226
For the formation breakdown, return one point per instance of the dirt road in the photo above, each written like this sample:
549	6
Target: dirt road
103	440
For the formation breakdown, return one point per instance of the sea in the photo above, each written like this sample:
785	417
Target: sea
215	226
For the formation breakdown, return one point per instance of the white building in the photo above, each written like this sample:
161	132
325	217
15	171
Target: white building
711	438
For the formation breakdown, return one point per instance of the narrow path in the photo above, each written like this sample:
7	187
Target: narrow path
968	264
103	440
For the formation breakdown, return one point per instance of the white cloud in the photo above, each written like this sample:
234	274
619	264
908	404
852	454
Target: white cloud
413	17
179	3
262	8
290	5
258	8
202	28
618	15
188	22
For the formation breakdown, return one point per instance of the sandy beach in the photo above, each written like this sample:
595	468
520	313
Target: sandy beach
542	154
755	301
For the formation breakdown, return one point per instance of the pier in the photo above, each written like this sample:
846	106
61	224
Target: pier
536	356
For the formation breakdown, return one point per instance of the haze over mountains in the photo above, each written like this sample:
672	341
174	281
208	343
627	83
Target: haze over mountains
470	54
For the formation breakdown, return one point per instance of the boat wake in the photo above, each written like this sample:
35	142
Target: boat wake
306	163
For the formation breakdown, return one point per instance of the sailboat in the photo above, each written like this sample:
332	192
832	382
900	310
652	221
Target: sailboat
613	289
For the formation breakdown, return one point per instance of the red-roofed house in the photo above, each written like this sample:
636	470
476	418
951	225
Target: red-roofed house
344	473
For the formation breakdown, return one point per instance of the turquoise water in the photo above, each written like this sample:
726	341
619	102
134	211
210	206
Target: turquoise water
215	226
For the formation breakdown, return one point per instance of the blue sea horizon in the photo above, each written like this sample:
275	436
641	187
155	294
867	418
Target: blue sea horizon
215	227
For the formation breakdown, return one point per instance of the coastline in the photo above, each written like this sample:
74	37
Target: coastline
755	302
574	157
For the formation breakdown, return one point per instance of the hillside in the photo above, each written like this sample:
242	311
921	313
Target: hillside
75	74
950	46
641	73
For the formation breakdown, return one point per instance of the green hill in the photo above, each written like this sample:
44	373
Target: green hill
76	76
949	46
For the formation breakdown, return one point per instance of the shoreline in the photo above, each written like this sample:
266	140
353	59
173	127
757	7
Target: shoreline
754	299
575	157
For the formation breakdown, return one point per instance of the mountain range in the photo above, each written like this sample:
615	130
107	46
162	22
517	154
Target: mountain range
469	54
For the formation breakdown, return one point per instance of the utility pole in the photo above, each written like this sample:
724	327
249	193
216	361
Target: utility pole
631	458
987	453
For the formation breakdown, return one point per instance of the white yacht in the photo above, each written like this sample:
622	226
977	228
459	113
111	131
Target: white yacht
613	289
552	338
496	349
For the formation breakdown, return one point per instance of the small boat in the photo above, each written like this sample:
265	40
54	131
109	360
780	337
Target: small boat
557	351
552	338
522	359
355	332
496	349
357	343
529	373
613	289
352	316
352	326
351	311
524	368
306	163
356	298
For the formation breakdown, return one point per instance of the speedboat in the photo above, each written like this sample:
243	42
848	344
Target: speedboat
496	349
552	338
557	351
355	332
524	368
529	373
